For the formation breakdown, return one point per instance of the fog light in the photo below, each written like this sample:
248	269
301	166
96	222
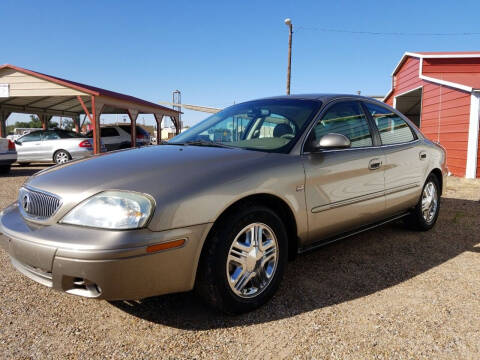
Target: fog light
84	287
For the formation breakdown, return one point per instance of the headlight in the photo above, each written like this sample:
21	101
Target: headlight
117	210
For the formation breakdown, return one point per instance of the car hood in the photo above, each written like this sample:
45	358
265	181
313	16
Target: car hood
156	170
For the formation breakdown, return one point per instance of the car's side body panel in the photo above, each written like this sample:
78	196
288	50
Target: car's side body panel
405	174
44	149
340	184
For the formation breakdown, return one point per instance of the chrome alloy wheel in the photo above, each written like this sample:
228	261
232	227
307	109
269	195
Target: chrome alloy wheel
252	260
429	202
61	157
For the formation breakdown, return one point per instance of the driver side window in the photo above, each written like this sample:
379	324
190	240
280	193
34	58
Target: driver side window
346	118
34	136
275	126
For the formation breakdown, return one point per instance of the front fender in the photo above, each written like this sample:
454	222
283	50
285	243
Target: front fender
205	199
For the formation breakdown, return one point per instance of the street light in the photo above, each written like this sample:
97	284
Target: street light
288	22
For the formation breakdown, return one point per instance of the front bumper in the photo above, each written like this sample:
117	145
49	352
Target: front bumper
72	259
8	158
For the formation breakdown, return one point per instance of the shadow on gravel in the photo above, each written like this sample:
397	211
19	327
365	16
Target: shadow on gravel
350	269
29	170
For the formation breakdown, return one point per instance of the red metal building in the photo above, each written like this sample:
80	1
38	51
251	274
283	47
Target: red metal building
440	92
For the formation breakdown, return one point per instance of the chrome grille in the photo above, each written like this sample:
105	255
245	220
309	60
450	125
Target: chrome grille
37	204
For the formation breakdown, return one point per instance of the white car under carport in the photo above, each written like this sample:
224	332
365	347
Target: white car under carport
8	155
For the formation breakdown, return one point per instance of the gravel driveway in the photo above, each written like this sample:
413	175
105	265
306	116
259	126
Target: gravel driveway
388	293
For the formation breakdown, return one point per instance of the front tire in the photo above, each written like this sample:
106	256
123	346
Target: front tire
61	157
243	260
424	216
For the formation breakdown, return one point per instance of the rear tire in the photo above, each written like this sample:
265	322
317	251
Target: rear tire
61	157
424	216
4	169
237	272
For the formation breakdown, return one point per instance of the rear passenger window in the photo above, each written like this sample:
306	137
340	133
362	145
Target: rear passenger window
346	118
109	132
393	129
50	135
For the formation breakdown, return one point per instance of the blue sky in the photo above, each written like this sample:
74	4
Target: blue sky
221	52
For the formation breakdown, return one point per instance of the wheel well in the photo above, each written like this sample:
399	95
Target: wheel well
439	176
56	151
278	206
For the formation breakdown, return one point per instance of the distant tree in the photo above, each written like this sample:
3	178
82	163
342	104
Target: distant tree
33	123
67	124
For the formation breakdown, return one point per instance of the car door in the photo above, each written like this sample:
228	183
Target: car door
344	188
111	138
29	146
406	162
50	143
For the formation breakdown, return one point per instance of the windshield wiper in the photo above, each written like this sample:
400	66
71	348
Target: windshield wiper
200	142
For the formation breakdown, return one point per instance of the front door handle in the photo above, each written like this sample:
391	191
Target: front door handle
374	164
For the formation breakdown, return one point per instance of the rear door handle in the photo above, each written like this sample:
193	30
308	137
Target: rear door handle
374	164
423	155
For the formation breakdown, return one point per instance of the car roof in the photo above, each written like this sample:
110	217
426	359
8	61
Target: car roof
323	97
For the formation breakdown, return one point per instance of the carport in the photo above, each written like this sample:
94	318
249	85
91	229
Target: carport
30	92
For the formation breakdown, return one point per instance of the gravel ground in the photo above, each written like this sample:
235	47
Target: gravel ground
388	293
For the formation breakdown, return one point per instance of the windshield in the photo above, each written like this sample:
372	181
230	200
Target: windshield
266	125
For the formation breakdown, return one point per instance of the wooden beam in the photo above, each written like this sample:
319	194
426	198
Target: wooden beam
142	109
7	100
36	110
37	100
80	100
61	102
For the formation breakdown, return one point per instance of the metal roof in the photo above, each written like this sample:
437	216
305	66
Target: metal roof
87	90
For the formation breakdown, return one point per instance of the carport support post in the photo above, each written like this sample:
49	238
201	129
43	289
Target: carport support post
94	120
133	114
177	124
43	119
159	119
47	120
97	108
3	124
76	123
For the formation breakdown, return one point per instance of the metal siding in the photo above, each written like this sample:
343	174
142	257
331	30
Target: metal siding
26	85
478	157
453	65
445	113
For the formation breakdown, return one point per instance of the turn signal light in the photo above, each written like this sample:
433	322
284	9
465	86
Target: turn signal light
85	144
165	246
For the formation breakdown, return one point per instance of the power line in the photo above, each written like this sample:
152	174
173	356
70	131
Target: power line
378	33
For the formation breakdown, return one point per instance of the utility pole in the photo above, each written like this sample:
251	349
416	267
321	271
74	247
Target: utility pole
288	22
177	99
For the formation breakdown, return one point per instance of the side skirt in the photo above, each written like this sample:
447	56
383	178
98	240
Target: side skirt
327	241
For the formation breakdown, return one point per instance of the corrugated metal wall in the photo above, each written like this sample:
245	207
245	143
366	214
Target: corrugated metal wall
445	113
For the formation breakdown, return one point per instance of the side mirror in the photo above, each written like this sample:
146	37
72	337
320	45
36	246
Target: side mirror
17	142
332	141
